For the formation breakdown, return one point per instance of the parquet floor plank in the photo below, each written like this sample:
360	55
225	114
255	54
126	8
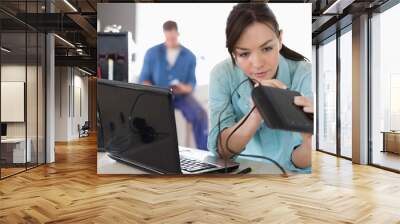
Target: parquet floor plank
70	191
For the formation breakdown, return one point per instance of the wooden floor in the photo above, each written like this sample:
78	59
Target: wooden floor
70	191
10	171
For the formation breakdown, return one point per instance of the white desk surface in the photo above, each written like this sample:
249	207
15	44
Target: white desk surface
19	151
13	140
107	165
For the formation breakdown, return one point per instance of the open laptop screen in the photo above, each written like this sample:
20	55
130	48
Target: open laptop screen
138	124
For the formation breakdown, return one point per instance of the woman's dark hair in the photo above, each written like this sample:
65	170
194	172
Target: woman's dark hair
245	14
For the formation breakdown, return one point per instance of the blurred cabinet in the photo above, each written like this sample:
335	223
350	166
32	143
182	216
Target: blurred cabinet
391	141
115	56
13	150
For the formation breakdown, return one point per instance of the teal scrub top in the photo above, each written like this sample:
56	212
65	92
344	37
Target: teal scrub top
275	144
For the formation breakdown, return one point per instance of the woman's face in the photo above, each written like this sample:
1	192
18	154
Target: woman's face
257	51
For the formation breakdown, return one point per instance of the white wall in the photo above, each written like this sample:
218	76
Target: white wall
33	125
122	14
80	83
61	103
17	73
67	115
14	73
202	30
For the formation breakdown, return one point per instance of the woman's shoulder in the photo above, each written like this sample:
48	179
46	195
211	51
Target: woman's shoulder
302	67
300	75
224	70
225	65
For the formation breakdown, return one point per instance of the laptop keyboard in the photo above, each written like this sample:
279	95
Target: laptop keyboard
191	165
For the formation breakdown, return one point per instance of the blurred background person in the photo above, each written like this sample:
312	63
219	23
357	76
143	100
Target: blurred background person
172	65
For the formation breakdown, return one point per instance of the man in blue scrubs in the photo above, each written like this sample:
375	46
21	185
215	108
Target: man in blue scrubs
171	65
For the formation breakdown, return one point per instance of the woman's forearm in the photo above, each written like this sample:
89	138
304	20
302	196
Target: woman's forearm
301	157
241	136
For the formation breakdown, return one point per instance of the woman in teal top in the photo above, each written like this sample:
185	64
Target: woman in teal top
254	42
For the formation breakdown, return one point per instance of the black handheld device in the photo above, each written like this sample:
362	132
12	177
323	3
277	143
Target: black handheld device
278	110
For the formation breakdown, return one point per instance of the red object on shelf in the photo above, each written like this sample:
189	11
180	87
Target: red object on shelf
98	71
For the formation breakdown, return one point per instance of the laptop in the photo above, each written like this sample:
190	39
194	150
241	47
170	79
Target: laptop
137	124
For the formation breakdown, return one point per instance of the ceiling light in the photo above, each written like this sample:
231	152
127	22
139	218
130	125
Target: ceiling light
5	49
86	72
338	6
70	5
65	41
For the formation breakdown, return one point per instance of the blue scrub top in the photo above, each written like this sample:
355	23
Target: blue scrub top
275	144
157	70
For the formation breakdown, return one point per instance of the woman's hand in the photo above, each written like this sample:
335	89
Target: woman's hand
272	83
308	107
301	157
307	104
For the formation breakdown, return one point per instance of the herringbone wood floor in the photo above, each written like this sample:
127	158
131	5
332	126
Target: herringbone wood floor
70	191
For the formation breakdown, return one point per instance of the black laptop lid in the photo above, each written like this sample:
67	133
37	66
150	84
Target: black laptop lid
138	125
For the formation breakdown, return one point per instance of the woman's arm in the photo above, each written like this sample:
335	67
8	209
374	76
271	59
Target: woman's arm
241	136
301	157
248	129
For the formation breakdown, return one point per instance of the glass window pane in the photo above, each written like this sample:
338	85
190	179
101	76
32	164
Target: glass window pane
385	86
13	87
346	94
22	63
31	97
327	97
14	153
